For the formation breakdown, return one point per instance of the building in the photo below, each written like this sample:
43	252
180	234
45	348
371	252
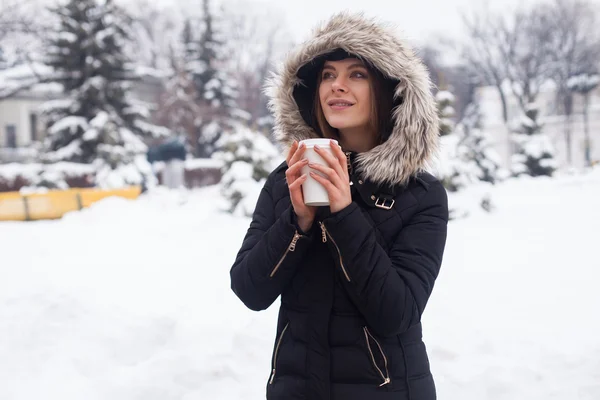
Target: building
554	124
21	121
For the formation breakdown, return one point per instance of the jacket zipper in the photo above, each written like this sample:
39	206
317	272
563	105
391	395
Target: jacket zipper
325	234
386	376
291	247
276	353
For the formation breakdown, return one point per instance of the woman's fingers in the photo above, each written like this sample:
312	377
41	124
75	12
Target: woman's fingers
291	152
332	161
331	174
297	184
340	155
330	187
296	193
295	168
297	155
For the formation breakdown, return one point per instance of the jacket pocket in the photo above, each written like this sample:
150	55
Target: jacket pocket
276	353
374	348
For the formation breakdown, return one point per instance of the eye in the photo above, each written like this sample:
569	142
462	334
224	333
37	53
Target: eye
358	74
327	75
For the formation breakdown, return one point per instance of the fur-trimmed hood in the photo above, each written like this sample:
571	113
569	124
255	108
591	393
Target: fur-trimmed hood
413	141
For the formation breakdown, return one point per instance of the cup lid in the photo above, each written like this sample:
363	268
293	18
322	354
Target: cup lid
320	142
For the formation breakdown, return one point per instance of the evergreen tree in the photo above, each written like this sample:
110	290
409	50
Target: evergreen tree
445	102
97	122
248	158
206	61
455	170
534	153
3	59
478	147
178	108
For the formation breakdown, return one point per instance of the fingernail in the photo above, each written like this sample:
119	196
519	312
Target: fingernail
317	147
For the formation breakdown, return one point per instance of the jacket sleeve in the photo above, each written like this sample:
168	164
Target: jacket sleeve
270	254
392	289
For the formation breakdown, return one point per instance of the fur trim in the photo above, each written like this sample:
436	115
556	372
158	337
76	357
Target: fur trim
413	142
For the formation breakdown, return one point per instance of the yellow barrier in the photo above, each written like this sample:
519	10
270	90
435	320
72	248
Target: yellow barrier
53	204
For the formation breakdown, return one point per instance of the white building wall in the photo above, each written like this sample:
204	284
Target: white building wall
15	111
554	125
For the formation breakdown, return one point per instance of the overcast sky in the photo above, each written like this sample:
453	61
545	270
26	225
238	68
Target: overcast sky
417	18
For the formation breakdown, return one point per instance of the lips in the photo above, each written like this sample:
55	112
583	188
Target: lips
338	104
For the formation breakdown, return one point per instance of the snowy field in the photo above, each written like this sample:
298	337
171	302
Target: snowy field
130	300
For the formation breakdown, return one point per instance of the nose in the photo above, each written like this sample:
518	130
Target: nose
339	86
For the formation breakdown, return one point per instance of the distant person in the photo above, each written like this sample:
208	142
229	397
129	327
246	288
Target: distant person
354	276
173	154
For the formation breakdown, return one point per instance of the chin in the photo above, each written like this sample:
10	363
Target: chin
340	123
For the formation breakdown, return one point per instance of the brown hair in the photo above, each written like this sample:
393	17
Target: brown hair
382	104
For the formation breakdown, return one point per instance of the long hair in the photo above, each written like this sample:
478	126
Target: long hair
382	104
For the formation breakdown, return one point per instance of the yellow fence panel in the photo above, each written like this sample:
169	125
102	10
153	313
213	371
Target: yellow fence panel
54	204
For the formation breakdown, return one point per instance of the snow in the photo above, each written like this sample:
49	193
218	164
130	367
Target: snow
131	300
35	173
25	71
444	96
71	122
194	163
583	82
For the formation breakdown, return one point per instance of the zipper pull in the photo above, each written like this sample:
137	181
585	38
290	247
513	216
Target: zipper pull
385	382
294	241
323	232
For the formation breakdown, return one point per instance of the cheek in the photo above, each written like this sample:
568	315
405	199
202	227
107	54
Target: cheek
365	100
323	90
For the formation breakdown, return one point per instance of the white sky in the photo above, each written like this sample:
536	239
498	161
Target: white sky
418	19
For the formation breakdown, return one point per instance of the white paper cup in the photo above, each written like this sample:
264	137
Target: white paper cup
314	193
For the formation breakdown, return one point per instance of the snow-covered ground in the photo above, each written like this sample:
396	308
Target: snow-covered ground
130	300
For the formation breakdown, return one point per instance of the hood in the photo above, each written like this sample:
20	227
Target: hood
413	141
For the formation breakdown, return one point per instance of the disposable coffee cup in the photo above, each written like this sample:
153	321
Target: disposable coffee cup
315	193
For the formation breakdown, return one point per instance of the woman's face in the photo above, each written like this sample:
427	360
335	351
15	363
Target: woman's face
345	94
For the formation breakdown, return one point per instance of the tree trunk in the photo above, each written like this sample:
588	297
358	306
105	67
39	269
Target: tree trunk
505	119
503	102
568	103
588	143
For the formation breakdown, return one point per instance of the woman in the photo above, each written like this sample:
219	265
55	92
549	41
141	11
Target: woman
354	277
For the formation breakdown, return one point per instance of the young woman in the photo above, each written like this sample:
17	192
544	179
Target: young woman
354	277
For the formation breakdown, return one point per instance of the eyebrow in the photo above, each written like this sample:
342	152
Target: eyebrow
351	66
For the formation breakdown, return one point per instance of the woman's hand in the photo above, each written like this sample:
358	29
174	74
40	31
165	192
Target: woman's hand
295	179
337	181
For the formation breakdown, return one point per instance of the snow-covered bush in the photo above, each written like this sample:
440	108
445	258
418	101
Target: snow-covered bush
535	154
248	158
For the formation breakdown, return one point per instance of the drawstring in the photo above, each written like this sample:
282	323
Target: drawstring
405	369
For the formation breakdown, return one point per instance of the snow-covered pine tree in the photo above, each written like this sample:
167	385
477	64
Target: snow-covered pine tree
534	153
97	121
454	169
206	61
445	102
477	145
3	60
248	158
178	109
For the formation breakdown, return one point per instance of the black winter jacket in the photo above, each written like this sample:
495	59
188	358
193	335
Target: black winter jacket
352	291
354	288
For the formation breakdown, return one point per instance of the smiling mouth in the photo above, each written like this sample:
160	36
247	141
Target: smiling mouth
339	104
